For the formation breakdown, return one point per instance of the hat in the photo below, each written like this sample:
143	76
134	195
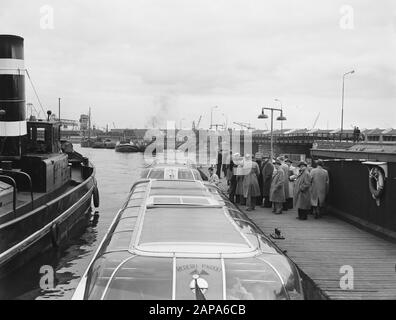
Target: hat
302	163
210	169
278	162
288	160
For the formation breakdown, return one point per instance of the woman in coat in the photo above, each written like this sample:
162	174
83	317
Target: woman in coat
277	190
302	191
267	172
251	189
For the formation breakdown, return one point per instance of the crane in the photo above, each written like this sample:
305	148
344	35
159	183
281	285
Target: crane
196	126
244	125
316	121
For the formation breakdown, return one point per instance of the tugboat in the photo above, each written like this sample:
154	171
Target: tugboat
46	188
126	146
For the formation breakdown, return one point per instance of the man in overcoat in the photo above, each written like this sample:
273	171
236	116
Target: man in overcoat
277	190
302	191
267	171
319	189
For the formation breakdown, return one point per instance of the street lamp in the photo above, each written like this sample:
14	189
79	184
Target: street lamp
342	108
226	119
211	116
262	115
281	106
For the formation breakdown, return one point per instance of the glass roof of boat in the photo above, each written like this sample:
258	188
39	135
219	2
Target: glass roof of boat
189	225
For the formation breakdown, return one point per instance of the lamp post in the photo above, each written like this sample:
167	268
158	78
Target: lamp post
342	107
262	115
211	116
226	119
281	106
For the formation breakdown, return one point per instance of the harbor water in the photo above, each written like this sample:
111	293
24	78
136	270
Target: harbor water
115	173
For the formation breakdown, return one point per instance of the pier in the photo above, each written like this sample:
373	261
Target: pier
323	248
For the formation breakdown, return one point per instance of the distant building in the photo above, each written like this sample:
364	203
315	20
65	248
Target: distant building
84	122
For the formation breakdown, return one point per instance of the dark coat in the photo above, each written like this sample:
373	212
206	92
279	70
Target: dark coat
267	171
277	191
302	191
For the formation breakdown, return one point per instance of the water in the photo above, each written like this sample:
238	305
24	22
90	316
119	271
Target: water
115	173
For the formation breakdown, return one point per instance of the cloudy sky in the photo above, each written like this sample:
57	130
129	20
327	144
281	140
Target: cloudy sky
140	62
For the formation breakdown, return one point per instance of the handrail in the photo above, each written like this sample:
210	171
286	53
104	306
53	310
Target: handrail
28	178
14	191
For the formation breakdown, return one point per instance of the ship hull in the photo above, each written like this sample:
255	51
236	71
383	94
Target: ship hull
49	226
126	148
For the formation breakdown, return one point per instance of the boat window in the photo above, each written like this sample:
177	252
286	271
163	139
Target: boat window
288	272
195	200
126	224
166	200
178	192
168	184
135	202
197	175
142	278
144	173
156	174
185	174
100	272
252	279
130	212
119	241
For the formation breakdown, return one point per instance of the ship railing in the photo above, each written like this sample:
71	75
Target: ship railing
14	194
23	174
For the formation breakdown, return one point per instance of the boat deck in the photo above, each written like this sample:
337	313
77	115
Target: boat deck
23	202
320	248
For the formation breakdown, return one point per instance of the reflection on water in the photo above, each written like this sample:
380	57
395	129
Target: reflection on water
115	173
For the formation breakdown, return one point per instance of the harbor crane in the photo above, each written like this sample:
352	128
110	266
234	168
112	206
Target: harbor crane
196	126
316	121
245	125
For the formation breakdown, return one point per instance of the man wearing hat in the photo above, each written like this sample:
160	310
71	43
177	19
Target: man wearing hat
266	172
277	191
320	188
251	189
285	169
302	191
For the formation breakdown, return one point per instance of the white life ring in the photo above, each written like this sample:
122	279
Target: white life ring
376	182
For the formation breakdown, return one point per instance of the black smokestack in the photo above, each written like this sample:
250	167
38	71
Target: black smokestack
12	94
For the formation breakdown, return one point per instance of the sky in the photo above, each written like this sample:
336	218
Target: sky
139	63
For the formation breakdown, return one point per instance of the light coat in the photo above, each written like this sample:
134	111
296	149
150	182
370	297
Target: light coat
320	186
277	191
250	182
302	191
285	169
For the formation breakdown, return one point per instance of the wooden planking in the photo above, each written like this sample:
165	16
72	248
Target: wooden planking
320	247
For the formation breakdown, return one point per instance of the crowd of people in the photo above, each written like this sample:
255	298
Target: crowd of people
275	183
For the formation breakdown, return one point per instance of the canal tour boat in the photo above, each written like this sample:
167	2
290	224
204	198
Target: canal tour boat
183	239
46	188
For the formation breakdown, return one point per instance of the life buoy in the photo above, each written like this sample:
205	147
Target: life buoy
95	196
376	182
55	235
